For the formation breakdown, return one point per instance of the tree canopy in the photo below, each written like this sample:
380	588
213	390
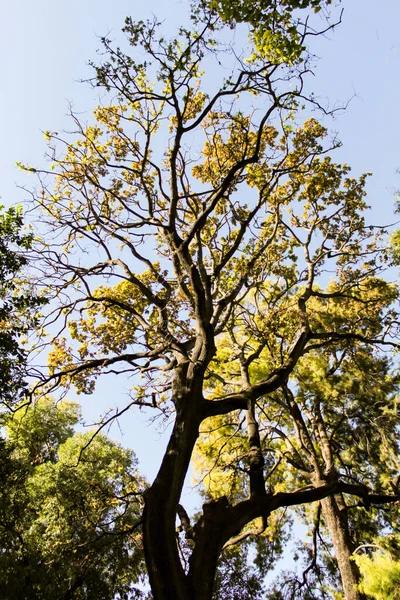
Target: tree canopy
199	237
18	305
69	509
277	29
381	568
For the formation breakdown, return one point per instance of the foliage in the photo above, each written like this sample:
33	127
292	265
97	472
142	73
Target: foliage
18	305
395	246
68	509
340	421
381	575
236	580
276	27
219	256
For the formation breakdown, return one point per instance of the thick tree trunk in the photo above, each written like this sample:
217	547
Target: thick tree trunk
166	574
339	531
210	535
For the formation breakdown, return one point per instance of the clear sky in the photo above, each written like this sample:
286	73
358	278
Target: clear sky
45	47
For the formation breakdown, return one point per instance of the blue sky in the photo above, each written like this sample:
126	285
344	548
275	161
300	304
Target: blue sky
45	47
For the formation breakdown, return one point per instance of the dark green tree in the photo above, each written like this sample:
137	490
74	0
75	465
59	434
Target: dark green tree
70	506
19	305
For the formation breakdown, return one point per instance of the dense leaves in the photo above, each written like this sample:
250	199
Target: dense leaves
380	569
18	305
69	509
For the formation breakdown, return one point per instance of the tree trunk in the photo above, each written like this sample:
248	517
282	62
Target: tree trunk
210	535
166	574
339	531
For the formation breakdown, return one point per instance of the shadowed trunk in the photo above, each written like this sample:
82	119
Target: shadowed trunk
166	574
168	579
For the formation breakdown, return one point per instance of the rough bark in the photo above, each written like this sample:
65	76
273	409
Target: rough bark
336	522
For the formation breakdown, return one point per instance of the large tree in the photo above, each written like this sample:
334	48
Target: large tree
180	219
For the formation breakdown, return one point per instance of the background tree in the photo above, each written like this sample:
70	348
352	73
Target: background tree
69	509
158	257
380	568
337	418
18	305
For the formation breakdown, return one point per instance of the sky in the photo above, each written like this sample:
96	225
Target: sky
45	47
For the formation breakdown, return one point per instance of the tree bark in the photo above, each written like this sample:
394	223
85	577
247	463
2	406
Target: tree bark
166	573
338	528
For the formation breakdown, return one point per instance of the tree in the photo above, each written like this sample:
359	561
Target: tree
381	571
69	510
337	418
243	228
18	305
275	27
